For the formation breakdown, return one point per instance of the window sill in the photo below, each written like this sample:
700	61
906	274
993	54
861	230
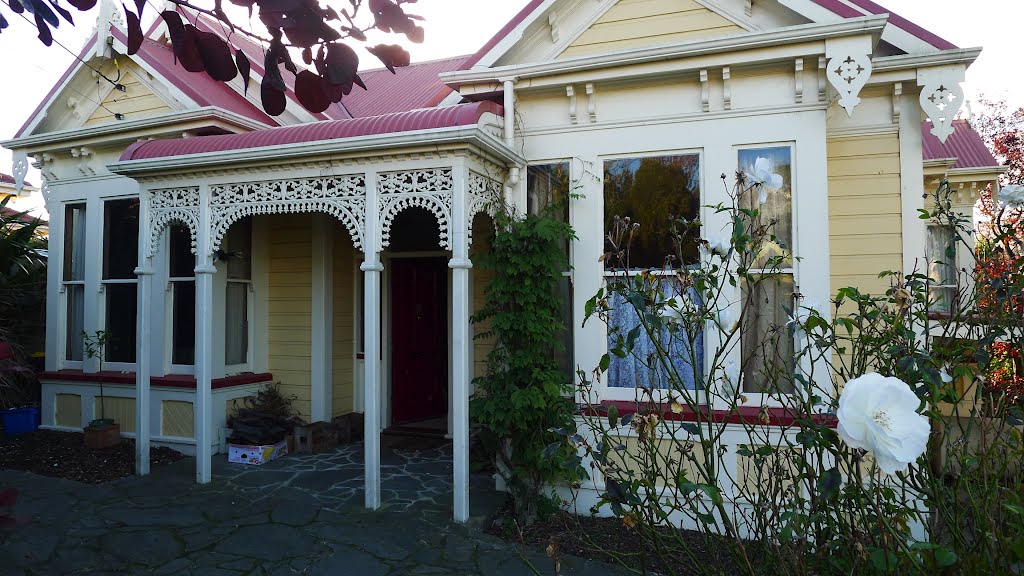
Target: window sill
749	415
169	381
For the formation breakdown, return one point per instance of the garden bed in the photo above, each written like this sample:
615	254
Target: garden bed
609	540
64	455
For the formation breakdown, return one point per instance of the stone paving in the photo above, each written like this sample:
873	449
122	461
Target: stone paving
302	514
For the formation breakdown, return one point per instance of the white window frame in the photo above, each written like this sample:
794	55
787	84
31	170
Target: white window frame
65	294
169	315
250	312
760	398
630	394
955	263
110	366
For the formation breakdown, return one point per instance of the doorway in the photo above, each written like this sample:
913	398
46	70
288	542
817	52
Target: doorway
419	340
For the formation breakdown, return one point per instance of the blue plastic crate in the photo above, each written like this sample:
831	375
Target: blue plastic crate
20	420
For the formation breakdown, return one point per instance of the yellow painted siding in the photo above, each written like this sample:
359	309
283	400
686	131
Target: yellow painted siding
290	305
121	409
135	102
177	419
641	23
345	281
482	230
69	410
865	214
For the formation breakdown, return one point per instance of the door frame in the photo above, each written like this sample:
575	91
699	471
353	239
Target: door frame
386	332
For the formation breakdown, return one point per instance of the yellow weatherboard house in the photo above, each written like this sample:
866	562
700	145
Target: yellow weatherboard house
222	248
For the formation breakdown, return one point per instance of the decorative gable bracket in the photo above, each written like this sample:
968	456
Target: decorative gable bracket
848	68
941	96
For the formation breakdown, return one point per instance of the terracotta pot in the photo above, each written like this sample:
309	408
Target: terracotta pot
103	436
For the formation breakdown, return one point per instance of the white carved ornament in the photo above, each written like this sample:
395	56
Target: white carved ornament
20	169
941	97
343	197
427	189
172	205
482	195
848	74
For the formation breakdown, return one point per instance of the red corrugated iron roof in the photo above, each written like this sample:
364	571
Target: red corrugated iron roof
409	121
410	87
835	6
964	144
8	179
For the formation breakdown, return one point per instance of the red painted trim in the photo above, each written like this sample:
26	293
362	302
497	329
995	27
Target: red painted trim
505	31
895	19
168	381
782	417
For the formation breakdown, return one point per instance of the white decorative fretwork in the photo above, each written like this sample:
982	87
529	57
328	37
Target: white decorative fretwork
941	97
848	69
482	195
172	205
427	189
20	169
343	197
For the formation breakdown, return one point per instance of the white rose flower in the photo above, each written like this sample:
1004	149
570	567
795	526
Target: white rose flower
879	414
762	174
1012	194
716	244
675	307
730	379
727	318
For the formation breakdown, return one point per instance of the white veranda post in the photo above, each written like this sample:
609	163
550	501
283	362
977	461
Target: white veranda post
371	268
460	265
204	341
143	367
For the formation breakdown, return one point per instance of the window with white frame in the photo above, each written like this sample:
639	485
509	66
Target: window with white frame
236	249
120	258
549	185
766	343
181	280
654	192
73	280
941	259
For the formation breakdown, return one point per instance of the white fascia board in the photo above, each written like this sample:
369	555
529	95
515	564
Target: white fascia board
733	43
173	90
303	151
811	10
978	171
34	122
965	56
106	130
512	38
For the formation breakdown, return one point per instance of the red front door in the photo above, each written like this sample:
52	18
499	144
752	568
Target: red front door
419	339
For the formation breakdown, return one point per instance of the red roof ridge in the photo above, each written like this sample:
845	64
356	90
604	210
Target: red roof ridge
965	144
408	121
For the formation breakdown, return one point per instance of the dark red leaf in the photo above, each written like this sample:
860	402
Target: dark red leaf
272	73
278	5
331	14
307	55
183	41
139	4
391	55
44	31
60	10
242	61
273	99
245	3
216	55
335	93
18	8
134	31
342	63
309	88
415	34
359	82
354	33
8	497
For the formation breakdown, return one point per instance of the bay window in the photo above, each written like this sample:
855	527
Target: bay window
236	249
941	259
119	284
73	280
548	185
181	279
766	343
654	192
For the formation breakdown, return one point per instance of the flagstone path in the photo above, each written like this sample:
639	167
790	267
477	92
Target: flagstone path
302	514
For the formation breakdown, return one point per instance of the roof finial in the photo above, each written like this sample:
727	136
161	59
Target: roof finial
109	15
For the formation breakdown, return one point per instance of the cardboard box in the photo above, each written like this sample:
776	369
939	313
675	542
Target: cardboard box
256	455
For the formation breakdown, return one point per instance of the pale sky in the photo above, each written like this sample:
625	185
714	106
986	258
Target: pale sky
456	27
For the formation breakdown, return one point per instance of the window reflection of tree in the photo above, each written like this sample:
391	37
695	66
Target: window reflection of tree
655	192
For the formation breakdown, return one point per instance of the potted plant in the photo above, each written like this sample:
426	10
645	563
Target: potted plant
101	432
18	414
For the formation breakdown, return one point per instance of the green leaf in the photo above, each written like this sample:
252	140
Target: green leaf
883	561
691	428
944	557
828	483
613	415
